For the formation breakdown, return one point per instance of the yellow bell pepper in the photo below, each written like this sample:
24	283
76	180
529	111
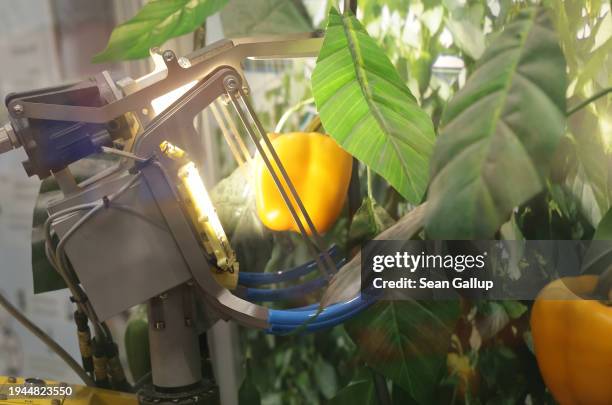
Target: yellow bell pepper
320	171
572	341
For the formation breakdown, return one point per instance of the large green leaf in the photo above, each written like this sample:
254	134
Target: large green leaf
156	22
499	132
407	342
365	106
257	17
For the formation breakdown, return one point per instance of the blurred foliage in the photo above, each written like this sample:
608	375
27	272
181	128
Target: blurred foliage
246	18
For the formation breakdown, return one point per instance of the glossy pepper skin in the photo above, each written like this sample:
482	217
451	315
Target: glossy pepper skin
320	171
572	337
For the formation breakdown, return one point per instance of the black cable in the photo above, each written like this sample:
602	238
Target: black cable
47	340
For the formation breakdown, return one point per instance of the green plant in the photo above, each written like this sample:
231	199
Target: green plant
436	145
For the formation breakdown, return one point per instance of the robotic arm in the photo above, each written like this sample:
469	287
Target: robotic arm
154	206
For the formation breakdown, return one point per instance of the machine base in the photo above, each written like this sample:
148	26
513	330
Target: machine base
205	393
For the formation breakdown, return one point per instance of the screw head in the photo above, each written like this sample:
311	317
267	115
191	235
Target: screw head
230	83
18	108
168	56
12	380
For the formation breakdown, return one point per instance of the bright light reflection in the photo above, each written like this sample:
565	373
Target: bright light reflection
159	104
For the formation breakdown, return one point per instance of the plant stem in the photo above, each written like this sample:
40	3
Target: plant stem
290	111
380	386
369	183
588	101
199	37
350	5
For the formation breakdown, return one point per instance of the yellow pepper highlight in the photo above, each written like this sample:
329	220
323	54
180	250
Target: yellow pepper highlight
320	171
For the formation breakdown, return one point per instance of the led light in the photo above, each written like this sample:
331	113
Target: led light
159	104
204	216
200	198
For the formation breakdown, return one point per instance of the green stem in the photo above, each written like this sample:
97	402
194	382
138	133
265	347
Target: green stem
290	111
350	5
588	101
369	183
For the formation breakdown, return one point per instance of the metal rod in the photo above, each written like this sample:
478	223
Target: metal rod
235	131
327	266
226	135
319	243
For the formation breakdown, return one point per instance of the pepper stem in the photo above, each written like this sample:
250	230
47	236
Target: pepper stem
603	289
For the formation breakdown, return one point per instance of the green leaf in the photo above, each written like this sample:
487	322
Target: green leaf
591	182
257	17
360	390
465	23
597	257
156	22
499	132
515	309
346	284
365	106
369	220
234	201
604	230
248	393
325	376
468	36
407	342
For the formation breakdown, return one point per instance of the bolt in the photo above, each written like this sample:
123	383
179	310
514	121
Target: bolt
8	138
230	83
55	402
18	108
188	322
184	63
160	325
168	56
12	380
163	296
